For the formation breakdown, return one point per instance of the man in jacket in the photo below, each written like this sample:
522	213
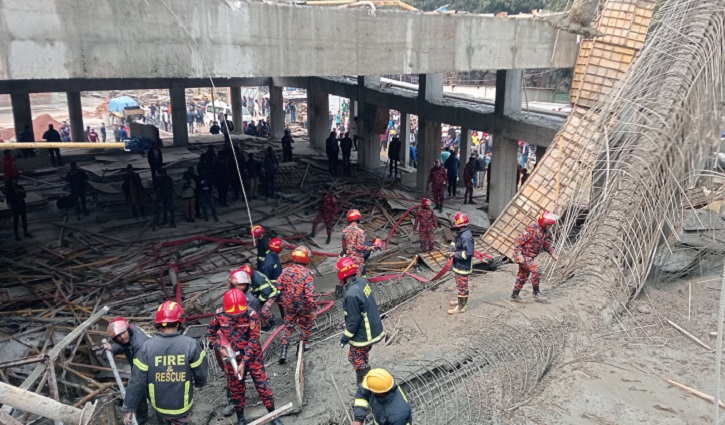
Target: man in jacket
394	155
271	164
155	159
76	179
128	339
240	326
363	326
134	191
333	151
297	286
287	142
168	366
452	165
462	251
426	222
15	198
328	211
438	178
346	148
52	135
469	173
379	392
527	246
166	194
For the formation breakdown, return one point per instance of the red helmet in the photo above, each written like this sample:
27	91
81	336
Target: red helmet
275	245
459	220
170	312
378	243
301	255
257	231
246	268
117	326
353	215
426	202
239	277
346	267
547	218
235	302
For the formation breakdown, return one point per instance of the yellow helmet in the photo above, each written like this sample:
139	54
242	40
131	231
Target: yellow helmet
379	381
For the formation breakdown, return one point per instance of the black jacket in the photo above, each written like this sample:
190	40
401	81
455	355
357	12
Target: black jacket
346	145
262	288
77	181
287	142
394	150
167	366
463	251
138	337
452	165
270	266
393	409
331	147
363	325
155	157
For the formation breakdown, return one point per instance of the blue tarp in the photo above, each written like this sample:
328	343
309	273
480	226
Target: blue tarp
118	103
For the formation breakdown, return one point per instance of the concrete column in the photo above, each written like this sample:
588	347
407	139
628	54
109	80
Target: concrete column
503	174
318	119
22	113
276	113
508	92
465	149
368	80
368	155
178	116
430	87
429	149
235	96
75	110
404	138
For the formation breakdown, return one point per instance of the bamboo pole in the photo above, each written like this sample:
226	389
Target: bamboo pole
43	406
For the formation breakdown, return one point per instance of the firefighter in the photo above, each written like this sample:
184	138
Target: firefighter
262	242
169	366
240	326
297	287
354	245
328	211
363	326
527	246
271	266
266	292
128	339
462	251
379	392
438	178
240	279
426	222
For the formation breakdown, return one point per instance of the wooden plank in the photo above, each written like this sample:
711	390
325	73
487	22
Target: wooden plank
300	375
269	417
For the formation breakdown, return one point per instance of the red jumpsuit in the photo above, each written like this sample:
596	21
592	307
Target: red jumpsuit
328	210
353	244
428	223
438	178
243	333
297	287
527	246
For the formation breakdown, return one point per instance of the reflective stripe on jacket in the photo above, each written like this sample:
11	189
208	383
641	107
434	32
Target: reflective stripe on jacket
463	252
392	409
363	325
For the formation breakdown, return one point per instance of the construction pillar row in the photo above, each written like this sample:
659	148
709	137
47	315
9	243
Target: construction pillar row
22	113
75	111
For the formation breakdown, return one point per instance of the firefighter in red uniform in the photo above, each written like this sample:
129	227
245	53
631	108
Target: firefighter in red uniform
438	178
297	287
527	246
240	326
328	211
354	245
427	223
462	250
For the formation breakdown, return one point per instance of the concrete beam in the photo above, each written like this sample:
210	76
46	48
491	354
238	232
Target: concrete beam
104	84
503	174
225	40
508	92
75	111
371	81
430	87
368	155
276	113
318	118
429	149
465	150
22	113
178	116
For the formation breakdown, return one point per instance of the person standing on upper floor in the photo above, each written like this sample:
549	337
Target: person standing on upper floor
480	170
271	164
77	180
394	156
333	151
215	129
251	129
287	142
354	131
26	136
221	176
346	148
293	112
188	195
452	166
52	135
206	200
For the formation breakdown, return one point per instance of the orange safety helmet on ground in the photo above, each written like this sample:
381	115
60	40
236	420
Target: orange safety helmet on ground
117	326
547	218
275	245
170	312
239	277
426	202
353	215
235	302
459	220
257	231
301	255
346	267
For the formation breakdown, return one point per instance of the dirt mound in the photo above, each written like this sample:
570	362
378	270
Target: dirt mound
40	126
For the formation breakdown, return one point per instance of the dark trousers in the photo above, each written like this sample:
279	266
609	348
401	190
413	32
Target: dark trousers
155	168
223	188
135	209
346	162
206	204
393	163
20	214
269	186
286	154
79	200
167	203
332	164
28	153
354	141
55	158
452	182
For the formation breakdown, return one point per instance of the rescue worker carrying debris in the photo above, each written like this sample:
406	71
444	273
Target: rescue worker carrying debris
297	287
363	326
266	292
128	339
262	242
167	366
527	246
462	251
271	266
426	222
379	392
328	211
237	326
438	178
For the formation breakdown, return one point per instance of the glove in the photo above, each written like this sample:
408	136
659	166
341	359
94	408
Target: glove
344	340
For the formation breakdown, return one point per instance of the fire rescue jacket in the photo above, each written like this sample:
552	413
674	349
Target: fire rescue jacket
271	266
262	250
262	287
463	250
392	409
138	337
168	366
363	325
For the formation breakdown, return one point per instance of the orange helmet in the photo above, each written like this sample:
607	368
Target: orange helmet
247	269
378	243
275	245
426	202
353	215
346	267
117	326
170	312
547	218
235	302
459	220
257	231
301	255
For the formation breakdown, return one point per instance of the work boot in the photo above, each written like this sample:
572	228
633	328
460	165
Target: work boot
440	207
229	409
306	348
240	418
283	355
453	303
465	201
312	233
327	242
460	307
360	374
538	296
515	296
470	201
